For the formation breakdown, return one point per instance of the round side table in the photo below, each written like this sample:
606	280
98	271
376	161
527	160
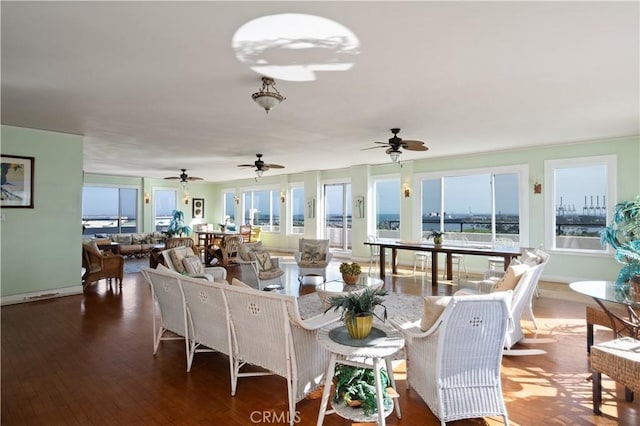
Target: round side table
378	349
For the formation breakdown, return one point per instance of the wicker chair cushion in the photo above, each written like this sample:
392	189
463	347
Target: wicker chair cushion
270	274
511	277
263	260
244	250
434	306
314	252
193	265
176	259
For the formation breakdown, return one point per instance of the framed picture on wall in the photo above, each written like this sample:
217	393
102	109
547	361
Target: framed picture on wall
198	208
17	181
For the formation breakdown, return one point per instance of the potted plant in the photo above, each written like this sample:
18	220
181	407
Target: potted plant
177	226
355	386
623	235
437	237
350	272
358	310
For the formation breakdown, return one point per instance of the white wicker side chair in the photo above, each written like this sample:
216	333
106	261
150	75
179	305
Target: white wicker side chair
455	365
266	331
165	292
205	316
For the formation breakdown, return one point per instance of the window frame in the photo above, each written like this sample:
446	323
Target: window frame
273	189
521	170
374	199
289	208
550	167
138	203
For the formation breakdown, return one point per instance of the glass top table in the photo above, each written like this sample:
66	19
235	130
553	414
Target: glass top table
605	292
339	288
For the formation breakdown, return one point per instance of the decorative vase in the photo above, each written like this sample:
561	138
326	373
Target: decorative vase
359	327
223	228
437	241
350	279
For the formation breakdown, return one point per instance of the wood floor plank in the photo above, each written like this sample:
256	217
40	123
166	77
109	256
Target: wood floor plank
87	360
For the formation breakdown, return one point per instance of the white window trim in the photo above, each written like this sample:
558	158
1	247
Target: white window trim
549	203
289	209
522	170
374	198
256	188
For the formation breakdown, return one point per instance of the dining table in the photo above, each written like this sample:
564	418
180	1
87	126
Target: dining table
448	248
606	293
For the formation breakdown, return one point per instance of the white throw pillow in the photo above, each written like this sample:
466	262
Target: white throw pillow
434	306
511	277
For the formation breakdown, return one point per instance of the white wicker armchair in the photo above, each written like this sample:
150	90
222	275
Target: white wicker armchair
520	304
266	331
455	365
313	257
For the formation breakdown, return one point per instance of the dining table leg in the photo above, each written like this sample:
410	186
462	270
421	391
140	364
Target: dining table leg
382	260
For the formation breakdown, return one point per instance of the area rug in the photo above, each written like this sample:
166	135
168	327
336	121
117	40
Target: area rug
133	265
402	307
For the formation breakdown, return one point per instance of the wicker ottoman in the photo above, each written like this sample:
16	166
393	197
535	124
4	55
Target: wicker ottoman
595	315
620	360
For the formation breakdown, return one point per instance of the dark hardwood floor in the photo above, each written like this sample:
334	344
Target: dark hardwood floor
87	360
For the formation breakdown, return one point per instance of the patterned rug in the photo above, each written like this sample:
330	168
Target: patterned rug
399	306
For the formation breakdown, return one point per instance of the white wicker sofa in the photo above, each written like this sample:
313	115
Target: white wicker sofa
253	327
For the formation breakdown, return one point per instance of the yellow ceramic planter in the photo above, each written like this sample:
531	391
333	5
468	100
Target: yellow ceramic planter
359	327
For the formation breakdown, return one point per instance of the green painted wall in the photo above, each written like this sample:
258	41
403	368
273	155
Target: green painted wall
41	247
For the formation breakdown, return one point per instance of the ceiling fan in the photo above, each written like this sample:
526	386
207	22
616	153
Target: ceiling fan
261	166
395	143
184	178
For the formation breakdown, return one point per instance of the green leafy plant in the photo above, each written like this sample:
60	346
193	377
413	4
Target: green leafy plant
357	303
350	268
177	226
358	384
623	235
435	234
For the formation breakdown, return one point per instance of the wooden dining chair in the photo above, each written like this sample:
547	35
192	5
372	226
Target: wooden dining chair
245	232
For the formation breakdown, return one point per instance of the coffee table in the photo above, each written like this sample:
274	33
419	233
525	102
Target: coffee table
335	288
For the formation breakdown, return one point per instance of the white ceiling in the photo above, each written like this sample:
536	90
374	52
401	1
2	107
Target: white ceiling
155	86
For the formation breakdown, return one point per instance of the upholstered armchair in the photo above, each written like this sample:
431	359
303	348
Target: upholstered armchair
313	258
98	265
258	268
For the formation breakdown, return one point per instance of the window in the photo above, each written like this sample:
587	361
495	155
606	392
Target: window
479	206
337	215
164	204
387	203
229	200
262	208
297	210
580	197
109	210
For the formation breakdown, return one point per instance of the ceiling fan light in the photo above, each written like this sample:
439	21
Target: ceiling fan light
268	96
259	172
395	155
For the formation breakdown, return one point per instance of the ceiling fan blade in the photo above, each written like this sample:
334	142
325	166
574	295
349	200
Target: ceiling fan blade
246	165
172	177
415	148
274	166
194	178
374	147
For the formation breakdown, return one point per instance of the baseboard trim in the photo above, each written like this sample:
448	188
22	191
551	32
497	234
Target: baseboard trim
41	295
